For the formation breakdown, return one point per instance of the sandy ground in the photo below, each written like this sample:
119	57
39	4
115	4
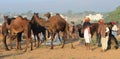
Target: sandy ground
44	52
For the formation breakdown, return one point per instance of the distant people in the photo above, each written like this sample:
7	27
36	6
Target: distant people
103	30
114	29
87	33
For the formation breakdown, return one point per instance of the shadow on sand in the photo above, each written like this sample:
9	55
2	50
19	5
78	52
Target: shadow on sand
2	55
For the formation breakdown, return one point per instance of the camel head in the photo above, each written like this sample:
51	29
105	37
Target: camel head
48	15
5	18
36	15
8	20
38	19
33	19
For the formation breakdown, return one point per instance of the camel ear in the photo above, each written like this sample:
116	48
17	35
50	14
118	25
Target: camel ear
5	16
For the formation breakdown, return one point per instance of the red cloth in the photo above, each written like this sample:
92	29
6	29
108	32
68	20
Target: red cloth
113	23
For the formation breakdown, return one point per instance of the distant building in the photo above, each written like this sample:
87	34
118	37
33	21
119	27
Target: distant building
95	17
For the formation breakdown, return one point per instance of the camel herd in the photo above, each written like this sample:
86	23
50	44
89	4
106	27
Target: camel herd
15	27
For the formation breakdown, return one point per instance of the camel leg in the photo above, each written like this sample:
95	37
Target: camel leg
53	35
71	35
27	40
44	34
51	43
35	41
63	43
11	43
5	44
38	38
47	33
18	42
29	37
59	38
71	43
27	43
31	43
63	40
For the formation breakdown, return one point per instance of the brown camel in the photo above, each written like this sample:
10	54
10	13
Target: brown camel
48	15
21	25
54	25
5	29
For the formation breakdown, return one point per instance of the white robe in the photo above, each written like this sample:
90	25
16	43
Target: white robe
87	35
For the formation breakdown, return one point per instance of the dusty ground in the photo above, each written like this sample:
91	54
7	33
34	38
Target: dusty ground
44	52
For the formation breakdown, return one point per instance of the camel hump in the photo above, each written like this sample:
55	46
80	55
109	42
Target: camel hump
25	18
57	17
19	18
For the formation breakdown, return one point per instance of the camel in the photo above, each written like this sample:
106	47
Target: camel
48	15
21	25
5	30
54	25
37	29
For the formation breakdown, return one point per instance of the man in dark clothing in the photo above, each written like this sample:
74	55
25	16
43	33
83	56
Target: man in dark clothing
112	38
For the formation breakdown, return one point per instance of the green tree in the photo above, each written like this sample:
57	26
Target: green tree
114	15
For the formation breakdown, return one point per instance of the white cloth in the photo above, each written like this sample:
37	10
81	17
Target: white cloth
104	42
107	29
87	35
114	28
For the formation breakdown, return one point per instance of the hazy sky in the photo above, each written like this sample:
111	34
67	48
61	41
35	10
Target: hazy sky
58	5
